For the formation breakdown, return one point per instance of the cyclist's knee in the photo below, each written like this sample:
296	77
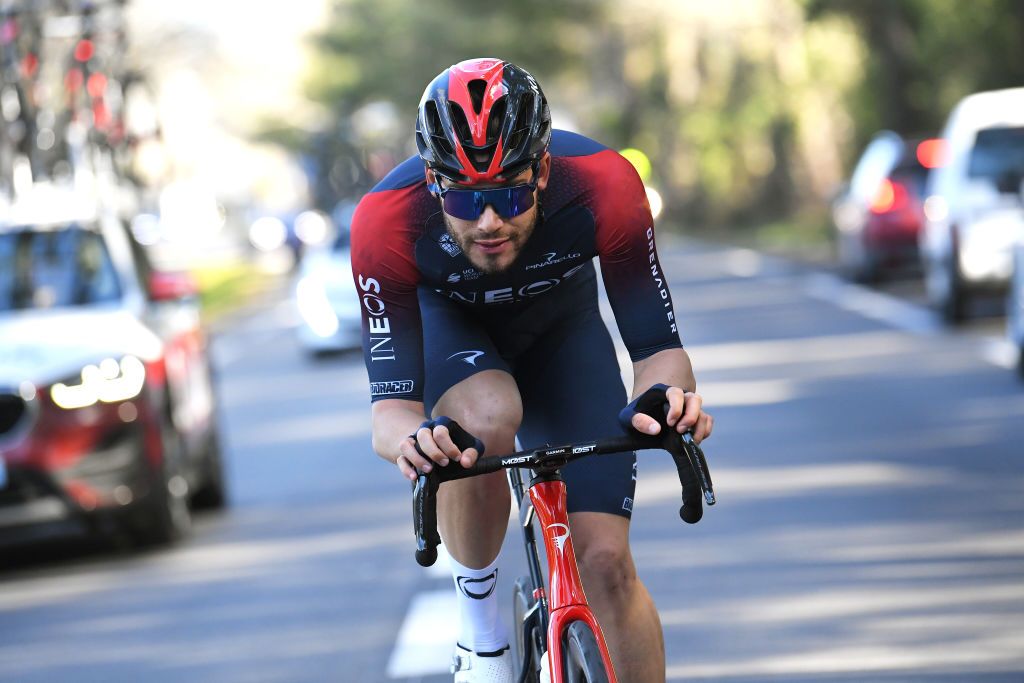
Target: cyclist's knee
488	405
607	567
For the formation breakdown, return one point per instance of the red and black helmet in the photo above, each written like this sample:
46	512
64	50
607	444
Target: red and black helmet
482	121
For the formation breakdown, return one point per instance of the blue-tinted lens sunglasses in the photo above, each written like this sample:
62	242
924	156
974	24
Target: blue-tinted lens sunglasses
468	204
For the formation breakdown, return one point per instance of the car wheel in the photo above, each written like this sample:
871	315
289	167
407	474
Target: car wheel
957	302
212	492
163	516
946	290
855	260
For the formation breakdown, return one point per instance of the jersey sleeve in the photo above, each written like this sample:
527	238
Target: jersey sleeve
636	285
385	274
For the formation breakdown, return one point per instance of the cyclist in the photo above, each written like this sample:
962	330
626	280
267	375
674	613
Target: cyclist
474	263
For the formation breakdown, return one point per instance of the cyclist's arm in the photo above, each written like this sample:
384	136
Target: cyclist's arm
672	367
393	421
638	291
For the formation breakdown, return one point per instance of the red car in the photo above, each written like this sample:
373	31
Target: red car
879	215
107	407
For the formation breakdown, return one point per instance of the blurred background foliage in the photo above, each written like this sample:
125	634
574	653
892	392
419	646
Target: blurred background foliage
751	111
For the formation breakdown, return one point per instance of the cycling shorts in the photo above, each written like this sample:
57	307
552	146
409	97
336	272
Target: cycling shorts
562	358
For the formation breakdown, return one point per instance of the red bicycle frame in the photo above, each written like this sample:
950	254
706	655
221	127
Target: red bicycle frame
566	602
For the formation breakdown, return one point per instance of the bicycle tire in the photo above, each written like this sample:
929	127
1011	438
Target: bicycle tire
583	662
522	602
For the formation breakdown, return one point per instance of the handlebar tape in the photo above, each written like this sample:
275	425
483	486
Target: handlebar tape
653	402
424	500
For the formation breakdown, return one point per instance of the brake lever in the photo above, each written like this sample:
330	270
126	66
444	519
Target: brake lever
424	516
691	510
692	468
700	466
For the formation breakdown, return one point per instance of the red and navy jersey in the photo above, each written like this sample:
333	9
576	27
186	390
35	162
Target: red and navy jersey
594	205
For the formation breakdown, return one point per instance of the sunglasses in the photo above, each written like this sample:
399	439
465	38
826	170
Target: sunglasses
468	204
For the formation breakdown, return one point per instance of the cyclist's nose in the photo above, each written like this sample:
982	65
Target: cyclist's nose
489	220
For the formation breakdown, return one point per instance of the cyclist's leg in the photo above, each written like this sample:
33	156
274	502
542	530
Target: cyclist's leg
619	599
572	390
467	380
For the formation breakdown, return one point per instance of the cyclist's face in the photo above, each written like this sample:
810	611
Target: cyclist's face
492	242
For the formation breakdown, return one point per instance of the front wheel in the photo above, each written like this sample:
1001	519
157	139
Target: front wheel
529	633
583	661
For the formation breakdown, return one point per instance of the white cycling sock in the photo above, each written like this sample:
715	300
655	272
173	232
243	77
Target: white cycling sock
481	627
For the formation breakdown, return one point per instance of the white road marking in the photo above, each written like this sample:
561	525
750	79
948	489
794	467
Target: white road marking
871	304
427	637
1001	352
900	314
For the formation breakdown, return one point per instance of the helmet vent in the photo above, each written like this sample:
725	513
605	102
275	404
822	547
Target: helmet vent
462	131
521	127
477	87
496	119
481	156
434	128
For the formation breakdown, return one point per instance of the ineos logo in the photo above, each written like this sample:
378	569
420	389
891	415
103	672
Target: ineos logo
381	347
373	304
508	295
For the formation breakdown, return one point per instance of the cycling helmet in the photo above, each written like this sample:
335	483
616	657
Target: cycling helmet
482	121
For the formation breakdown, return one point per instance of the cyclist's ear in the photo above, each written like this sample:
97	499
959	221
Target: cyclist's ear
543	171
433	182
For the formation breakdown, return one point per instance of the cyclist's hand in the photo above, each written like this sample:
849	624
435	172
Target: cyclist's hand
438	442
684	413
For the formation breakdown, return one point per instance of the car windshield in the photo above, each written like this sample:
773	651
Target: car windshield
998	155
54	268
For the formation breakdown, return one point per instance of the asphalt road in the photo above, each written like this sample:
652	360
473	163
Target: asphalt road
870	526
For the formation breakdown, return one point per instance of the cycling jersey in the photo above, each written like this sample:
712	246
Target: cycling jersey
594	205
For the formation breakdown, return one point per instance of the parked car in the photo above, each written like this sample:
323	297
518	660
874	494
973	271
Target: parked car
107	407
327	301
878	215
973	210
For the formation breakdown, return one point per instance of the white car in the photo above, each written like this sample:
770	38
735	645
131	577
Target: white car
973	207
1015	306
326	298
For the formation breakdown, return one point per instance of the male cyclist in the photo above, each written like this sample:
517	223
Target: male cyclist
474	263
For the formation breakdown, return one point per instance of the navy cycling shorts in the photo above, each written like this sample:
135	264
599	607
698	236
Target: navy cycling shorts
564	364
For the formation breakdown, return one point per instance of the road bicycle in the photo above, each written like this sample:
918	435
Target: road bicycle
559	625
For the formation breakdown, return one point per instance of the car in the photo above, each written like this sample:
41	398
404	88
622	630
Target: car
878	215
973	210
107	403
326	299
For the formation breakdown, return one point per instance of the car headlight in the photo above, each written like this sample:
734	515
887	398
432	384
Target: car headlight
108	382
